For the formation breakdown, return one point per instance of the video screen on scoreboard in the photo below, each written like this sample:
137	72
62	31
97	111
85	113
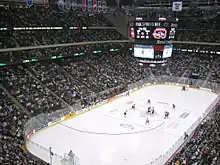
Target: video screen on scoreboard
167	52
144	51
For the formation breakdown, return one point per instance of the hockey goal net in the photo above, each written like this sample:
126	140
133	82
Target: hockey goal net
69	160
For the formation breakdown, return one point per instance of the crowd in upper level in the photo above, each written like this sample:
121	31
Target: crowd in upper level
51	37
189	28
38	16
193	25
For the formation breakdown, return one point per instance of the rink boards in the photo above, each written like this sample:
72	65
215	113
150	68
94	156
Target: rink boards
116	127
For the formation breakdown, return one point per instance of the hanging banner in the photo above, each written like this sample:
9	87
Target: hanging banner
29	3
74	5
94	5
68	4
177	5
84	5
99	7
46	3
89	5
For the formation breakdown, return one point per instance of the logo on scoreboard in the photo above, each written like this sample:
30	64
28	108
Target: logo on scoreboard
160	33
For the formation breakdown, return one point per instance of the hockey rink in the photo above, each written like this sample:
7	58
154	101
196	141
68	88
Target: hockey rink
103	136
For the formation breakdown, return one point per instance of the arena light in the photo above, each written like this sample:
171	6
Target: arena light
3	28
114	50
60	56
97	51
79	54
53	57
26	61
162	19
139	19
3	64
37	28
33	60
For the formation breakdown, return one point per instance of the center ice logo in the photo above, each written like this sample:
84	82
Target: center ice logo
127	126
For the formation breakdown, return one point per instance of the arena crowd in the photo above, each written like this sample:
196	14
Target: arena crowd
27	90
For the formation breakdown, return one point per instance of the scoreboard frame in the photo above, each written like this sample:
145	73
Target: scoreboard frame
155	31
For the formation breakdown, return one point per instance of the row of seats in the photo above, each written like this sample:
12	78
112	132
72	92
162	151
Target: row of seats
38	16
204	64
50	37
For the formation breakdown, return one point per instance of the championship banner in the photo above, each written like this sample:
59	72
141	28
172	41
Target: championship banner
29	3
46	3
177	5
94	5
89	5
84	5
68	4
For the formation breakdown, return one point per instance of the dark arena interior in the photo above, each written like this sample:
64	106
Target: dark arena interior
60	58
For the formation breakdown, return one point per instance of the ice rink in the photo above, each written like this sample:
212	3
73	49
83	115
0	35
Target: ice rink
103	136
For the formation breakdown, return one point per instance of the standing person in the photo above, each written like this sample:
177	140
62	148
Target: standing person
147	121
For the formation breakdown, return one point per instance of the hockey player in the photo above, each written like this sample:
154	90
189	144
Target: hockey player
173	105
183	88
125	114
148	101
185	135
147	121
71	156
133	106
152	111
149	109
166	115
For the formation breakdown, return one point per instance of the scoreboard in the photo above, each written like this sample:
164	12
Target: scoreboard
152	39
158	31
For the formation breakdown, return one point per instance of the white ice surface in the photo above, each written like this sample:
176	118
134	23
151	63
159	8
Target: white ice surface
104	137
